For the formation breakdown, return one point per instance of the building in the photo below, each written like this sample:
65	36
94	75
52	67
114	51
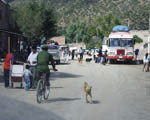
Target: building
9	36
60	40
4	24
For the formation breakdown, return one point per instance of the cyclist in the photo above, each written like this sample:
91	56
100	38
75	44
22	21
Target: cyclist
43	59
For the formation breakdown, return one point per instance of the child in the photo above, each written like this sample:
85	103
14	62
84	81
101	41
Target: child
26	74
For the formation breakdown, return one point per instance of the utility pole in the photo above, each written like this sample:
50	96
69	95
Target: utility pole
9	43
128	22
149	36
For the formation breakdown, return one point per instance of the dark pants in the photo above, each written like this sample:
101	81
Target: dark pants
81	56
72	56
33	82
47	71
6	77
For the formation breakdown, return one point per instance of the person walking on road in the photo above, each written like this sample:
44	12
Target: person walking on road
32	60
136	54
27	74
146	60
7	64
73	52
81	53
66	55
43	60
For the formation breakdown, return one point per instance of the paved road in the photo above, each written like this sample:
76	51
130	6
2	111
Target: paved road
120	92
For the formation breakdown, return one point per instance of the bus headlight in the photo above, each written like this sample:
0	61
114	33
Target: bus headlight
129	53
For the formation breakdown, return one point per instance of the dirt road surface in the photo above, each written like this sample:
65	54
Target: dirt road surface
120	92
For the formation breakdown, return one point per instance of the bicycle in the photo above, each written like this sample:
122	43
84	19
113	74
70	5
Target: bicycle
42	90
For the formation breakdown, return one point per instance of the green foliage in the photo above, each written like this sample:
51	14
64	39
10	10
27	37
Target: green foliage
35	20
77	32
137	39
83	32
104	24
72	11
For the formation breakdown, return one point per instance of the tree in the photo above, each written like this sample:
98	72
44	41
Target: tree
106	23
137	39
77	32
35	19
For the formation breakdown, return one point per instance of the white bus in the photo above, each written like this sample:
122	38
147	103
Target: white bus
119	46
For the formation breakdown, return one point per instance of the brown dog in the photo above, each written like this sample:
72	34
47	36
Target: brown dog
87	90
79	60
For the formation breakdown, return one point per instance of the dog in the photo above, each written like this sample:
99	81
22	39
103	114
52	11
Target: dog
88	60
79	60
87	90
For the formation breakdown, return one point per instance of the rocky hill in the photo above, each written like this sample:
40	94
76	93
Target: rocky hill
132	12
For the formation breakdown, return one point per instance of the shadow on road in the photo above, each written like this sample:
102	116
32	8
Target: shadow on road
138	62
61	100
96	102
56	87
12	109
56	75
63	63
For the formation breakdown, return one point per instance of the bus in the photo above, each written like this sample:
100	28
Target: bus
119	47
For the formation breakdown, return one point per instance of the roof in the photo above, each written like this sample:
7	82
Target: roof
120	35
60	40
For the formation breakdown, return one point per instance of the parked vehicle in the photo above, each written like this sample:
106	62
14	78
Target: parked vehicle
55	52
119	45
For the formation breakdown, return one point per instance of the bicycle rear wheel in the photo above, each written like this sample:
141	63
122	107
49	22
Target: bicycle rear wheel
46	92
39	91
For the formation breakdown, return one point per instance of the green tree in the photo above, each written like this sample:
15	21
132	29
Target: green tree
77	32
35	19
137	39
104	24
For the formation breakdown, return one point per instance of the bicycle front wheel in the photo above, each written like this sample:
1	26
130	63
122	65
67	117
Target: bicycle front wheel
39	91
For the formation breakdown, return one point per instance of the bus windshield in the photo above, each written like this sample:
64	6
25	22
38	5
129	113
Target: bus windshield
120	42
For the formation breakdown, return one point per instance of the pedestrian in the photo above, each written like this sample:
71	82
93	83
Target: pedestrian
146	60
81	53
73	52
136	54
103	59
105	56
32	60
66	55
7	65
27	75
99	55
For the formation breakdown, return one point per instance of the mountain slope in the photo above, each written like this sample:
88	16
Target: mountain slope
69	11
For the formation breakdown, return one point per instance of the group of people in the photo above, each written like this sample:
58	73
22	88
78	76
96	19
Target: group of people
36	63
67	53
100	57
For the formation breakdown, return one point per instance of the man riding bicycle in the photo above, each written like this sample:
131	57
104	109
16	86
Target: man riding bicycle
43	59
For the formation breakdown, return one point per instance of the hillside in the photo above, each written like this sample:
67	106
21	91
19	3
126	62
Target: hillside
132	12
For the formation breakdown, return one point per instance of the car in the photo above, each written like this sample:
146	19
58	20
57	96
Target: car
55	52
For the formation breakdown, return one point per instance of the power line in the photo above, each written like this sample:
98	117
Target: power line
5	31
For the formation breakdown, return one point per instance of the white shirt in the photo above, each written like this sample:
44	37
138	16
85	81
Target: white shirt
27	73
33	57
146	60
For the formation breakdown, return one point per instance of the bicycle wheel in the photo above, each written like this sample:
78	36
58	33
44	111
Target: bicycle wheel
46	92
39	91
